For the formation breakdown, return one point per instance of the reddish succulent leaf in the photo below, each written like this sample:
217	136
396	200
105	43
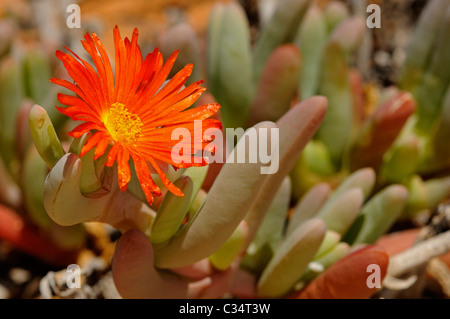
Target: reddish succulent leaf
136	277
381	130
359	99
17	232
397	242
200	269
244	285
278	84
347	278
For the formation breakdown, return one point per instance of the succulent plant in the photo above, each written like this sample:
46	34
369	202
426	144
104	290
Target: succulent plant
24	81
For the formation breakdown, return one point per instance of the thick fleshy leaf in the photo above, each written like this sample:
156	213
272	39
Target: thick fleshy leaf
136	278
236	187
200	269
317	159
342	213
44	136
281	28
66	205
214	40
23	135
297	127
335	12
233	247
349	34
335	85
10	192
381	130
270	232
312	167
308	206
197	203
291	259
441	136
360	99
198	176
417	197
328	243
92	171
244	189
311	39
364	53
172	212
437	189
244	284
7	33
34	171
402	160
363	179
322	262
348	278
277	85
37	72
422	45
381	211
229	63
436	79
11	97
333	255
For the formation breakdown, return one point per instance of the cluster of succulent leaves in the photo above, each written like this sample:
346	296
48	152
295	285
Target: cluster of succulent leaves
352	165
24	74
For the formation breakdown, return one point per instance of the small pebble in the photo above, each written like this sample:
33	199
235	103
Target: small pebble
19	275
4	292
382	58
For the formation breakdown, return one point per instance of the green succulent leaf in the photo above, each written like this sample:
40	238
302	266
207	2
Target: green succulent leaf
172	212
228	252
270	232
229	63
281	28
44	136
311	39
291	259
308	206
381	212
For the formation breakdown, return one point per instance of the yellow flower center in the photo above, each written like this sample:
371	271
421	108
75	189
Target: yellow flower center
123	126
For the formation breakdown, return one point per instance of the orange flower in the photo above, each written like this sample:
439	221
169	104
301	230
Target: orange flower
132	111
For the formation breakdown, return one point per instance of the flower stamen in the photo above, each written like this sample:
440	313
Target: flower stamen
123	126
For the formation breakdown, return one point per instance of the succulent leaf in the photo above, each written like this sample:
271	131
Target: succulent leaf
44	136
277	85
308	206
229	63
381	211
281	28
291	259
